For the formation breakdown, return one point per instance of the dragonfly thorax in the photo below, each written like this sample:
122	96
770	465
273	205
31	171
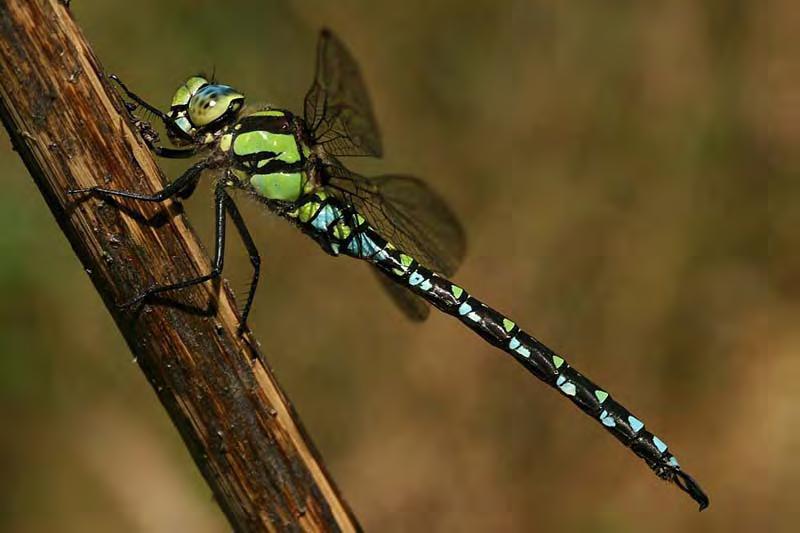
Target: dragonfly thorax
268	154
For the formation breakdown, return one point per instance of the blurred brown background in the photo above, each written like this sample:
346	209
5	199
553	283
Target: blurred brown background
611	164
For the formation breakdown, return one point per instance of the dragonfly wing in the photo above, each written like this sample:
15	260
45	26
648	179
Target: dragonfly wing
337	108
406	212
414	307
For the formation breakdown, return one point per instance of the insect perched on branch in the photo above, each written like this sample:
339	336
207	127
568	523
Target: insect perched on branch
395	223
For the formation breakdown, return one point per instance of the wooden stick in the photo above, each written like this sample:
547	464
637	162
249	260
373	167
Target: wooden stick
69	128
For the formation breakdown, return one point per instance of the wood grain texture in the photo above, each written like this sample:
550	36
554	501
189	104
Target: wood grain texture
69	128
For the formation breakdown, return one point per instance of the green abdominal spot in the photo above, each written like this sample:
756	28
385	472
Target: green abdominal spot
278	185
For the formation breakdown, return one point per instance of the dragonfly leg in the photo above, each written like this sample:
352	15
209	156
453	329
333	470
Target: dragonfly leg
172	153
221	198
255	258
183	187
169	123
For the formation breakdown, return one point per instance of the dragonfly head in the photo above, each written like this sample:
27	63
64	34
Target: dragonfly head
202	105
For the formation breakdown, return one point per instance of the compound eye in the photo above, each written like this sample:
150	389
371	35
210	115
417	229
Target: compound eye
212	102
187	90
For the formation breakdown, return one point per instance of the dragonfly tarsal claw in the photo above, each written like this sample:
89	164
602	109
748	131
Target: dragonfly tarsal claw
242	329
118	82
85	190
135	301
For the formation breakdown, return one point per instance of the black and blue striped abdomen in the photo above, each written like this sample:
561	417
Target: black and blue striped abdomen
340	230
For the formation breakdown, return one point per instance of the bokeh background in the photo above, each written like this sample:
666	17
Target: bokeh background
612	164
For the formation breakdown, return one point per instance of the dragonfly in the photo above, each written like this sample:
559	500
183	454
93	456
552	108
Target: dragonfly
395	223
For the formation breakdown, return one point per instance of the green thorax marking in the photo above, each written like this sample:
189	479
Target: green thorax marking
270	133
266	150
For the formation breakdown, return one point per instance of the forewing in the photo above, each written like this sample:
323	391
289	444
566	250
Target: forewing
337	108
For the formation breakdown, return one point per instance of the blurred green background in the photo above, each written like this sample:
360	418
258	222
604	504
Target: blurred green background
612	166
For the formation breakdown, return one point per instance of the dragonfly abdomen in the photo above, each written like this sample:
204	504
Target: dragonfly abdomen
339	229
542	362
